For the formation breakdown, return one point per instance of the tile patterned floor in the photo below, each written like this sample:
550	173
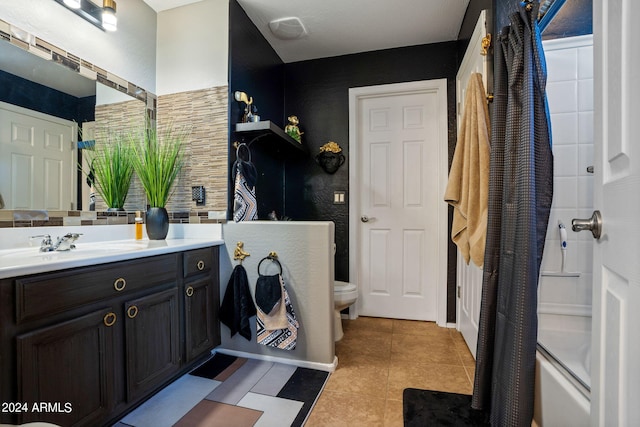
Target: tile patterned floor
235	392
378	359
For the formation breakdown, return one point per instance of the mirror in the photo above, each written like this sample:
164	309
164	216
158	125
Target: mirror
77	105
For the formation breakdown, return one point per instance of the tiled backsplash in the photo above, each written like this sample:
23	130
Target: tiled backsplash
119	117
15	218
205	113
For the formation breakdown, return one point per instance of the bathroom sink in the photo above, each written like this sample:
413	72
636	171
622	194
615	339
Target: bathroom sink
82	250
115	246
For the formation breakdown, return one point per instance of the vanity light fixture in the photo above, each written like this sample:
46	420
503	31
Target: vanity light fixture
73	4
102	17
109	18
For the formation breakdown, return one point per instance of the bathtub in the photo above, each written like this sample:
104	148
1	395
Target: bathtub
562	399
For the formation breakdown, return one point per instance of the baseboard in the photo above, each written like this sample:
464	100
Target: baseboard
327	367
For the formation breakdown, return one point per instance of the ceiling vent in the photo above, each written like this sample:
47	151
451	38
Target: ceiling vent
287	28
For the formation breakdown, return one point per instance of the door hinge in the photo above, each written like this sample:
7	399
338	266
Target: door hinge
459	287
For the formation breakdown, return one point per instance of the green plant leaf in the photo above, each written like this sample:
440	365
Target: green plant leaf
111	162
158	160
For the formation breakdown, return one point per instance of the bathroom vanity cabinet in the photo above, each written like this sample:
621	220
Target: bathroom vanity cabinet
83	346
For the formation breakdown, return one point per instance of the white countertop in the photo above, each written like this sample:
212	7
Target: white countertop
94	247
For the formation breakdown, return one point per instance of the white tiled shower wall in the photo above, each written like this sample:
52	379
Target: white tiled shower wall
566	301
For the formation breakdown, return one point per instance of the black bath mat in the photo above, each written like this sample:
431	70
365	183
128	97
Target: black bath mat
422	408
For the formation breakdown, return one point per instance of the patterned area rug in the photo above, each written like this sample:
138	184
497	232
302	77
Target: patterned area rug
436	408
235	392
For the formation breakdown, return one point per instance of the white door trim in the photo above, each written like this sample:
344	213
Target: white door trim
438	86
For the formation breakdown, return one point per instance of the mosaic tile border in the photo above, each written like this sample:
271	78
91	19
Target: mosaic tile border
40	218
43	49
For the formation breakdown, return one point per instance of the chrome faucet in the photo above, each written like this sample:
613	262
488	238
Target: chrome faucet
63	243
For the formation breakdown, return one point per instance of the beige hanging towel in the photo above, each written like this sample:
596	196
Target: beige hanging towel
468	186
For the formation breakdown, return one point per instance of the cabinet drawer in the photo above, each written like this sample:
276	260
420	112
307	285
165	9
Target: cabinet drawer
198	261
53	293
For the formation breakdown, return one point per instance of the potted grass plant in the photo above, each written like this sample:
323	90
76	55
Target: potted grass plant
158	159
111	169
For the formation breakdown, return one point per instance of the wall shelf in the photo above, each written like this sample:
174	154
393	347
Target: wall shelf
267	130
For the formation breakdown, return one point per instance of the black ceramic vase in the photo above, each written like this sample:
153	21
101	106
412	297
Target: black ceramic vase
330	162
157	223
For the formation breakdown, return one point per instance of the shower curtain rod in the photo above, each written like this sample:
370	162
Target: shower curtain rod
548	10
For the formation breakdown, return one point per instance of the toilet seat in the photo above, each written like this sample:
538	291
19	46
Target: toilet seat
342	287
344	294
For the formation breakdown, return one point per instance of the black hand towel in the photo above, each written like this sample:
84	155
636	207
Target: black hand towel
237	305
268	292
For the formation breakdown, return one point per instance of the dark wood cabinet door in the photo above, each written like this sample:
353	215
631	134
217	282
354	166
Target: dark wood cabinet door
201	315
67	370
152	336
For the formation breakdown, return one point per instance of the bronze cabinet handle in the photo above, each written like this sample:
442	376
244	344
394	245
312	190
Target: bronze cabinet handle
119	284
132	311
200	265
189	291
109	319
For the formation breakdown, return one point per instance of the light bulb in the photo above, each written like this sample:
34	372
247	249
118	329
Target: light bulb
109	18
73	4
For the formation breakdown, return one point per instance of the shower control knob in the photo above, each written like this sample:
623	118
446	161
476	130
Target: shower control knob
594	224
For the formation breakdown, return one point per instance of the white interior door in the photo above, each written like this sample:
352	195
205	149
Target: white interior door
616	297
469	277
37	160
401	136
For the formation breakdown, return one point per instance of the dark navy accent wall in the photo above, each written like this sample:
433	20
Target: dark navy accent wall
574	18
255	68
27	94
317	92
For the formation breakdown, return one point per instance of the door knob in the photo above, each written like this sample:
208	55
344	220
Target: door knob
365	218
594	224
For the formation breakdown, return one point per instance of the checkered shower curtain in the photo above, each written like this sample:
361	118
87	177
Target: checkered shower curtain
520	195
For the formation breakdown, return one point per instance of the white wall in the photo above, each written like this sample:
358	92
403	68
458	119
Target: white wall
570	94
193	47
129	53
305	250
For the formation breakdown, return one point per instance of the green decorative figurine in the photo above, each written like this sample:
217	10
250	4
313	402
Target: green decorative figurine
292	129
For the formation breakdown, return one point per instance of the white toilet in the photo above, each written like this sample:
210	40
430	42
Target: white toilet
344	294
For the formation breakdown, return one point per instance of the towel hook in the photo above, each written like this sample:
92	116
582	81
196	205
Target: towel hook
239	253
